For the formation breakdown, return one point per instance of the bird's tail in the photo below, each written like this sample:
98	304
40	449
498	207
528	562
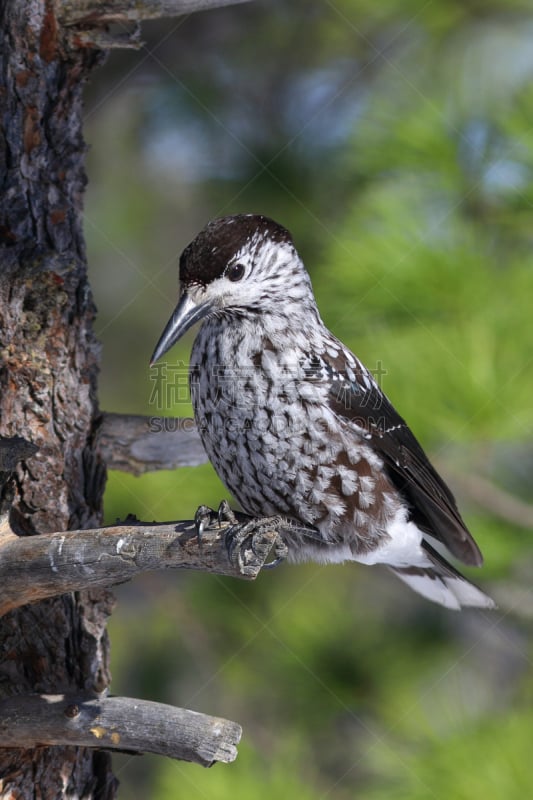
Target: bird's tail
442	584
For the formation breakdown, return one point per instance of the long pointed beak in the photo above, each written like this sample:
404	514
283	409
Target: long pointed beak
186	314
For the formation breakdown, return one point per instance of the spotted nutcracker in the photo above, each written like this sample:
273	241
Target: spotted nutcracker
295	425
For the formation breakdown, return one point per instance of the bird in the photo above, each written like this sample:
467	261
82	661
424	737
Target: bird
295	425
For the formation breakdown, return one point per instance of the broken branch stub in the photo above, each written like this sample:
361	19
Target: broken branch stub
117	723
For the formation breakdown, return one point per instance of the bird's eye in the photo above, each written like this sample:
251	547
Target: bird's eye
234	272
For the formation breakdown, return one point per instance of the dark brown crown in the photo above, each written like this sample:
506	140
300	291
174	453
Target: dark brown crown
207	256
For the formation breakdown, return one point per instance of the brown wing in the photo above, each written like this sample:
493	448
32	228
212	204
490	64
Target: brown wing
432	505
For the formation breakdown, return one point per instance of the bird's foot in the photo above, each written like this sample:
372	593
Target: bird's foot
241	538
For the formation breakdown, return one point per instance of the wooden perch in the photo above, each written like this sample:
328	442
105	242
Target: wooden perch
36	567
137	444
117	723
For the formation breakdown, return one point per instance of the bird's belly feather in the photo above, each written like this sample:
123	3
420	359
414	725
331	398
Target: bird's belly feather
281	454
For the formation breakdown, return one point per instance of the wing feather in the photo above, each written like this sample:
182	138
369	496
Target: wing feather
433	506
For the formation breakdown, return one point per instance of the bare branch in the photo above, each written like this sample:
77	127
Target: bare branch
35	567
106	24
496	500
76	11
491	498
117	723
137	444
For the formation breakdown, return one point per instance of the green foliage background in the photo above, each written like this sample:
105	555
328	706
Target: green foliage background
395	140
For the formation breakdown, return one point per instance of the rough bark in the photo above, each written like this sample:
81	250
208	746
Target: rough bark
48	371
53	478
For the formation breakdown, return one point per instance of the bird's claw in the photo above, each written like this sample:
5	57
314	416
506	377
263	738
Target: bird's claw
225	514
280	551
203	517
235	540
206	516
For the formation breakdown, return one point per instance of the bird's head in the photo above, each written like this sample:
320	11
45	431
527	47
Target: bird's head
243	264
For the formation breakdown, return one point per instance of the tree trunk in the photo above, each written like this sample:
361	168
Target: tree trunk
52	472
48	370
